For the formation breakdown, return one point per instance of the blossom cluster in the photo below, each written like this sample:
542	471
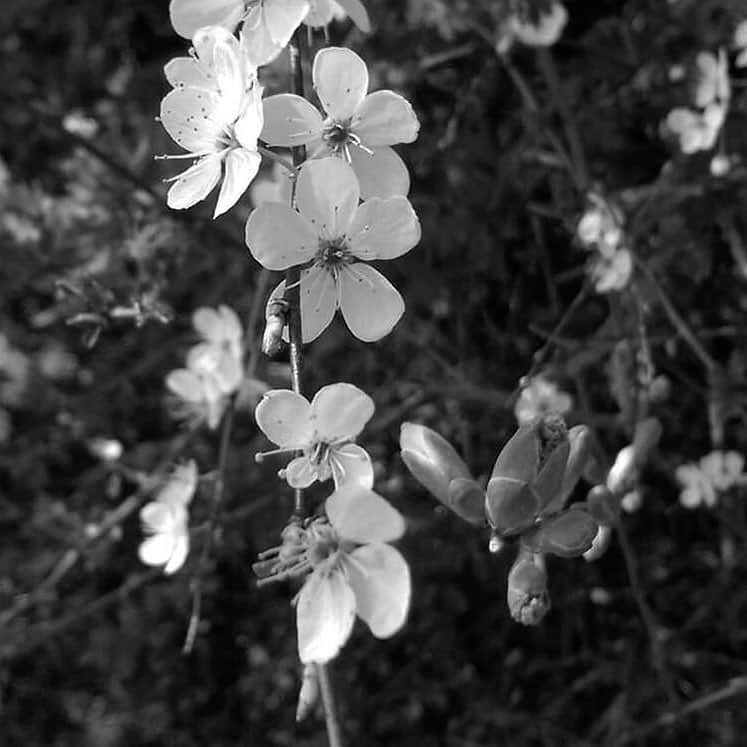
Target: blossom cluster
713	475
214	367
601	231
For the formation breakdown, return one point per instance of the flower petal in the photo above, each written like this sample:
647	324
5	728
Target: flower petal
318	302
256	40
284	417
185	384
187	115
381	174
179	489
290	120
340	80
186	72
327	195
351	463
156	550
325	613
283	17
189	15
363	516
278	237
194	184
383	229
242	166
358	14
369	303
300	472
249	125
380	579
178	554
339	412
385	118
157	517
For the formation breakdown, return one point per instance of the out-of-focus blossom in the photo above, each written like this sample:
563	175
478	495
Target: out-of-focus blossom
14	373
740	44
351	569
334	238
697	128
542	31
601	230
714	473
214	369
215	114
359	126
165	521
323	12
538	397
535	28
324	429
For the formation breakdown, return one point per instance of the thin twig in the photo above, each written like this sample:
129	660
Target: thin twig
653	629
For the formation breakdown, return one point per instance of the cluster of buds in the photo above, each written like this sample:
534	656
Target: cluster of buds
524	502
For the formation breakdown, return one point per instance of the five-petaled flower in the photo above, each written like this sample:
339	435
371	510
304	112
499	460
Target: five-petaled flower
334	238
214	113
352	568
323	429
165	520
359	127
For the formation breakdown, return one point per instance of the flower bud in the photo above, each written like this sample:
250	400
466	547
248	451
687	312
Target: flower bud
434	463
527	595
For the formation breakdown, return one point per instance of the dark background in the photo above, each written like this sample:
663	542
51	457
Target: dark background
90	640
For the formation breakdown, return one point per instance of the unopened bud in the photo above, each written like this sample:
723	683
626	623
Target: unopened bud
275	320
527	595
435	464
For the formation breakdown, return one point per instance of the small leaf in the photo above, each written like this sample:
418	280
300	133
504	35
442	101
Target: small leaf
511	505
467	500
567	535
519	458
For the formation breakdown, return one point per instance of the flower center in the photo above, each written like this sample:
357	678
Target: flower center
332	254
319	453
336	135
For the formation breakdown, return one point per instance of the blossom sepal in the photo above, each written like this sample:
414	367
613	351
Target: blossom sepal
567	535
435	464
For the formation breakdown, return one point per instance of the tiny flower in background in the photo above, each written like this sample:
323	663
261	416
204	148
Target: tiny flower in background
698	128
540	396
601	230
165	520
359	127
544	29
351	569
715	473
740	44
214	370
323	429
217	126
334	239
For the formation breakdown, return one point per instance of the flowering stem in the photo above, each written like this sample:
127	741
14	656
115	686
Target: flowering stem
295	338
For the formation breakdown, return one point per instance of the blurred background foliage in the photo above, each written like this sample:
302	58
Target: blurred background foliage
90	640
